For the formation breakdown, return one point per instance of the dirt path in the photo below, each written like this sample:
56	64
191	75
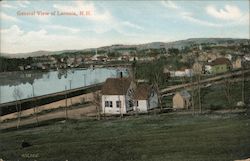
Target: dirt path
77	113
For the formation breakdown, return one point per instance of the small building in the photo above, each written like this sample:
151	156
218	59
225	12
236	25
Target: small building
181	100
145	98
183	72
237	63
117	95
220	65
247	57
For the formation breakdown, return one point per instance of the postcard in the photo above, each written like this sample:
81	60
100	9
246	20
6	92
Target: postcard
97	80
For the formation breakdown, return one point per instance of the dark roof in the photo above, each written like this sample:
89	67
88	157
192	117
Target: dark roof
220	61
185	94
142	92
116	86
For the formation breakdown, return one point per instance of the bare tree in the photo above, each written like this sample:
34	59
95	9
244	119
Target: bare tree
97	103
35	106
199	93
66	103
227	91
17	94
243	86
156	85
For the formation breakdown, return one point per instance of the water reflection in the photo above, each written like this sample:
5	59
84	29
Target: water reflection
51	82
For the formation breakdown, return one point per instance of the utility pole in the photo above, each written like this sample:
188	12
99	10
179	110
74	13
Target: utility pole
66	103
199	77
84	79
70	82
34	102
192	86
243	86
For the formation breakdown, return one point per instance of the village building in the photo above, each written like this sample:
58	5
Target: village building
237	63
145	98
117	96
182	72
219	65
247	57
181	100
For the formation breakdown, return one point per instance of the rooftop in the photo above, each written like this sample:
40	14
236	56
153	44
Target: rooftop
116	86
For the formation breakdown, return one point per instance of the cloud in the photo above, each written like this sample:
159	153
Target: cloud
129	24
102	19
189	17
4	5
229	12
169	4
6	17
15	40
23	4
64	28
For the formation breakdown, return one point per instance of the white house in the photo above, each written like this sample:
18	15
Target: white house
247	57
117	96
181	73
208	68
145	98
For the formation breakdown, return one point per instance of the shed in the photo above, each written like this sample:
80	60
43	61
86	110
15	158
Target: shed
181	100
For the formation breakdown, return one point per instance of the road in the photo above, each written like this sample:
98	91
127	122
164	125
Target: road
76	113
204	81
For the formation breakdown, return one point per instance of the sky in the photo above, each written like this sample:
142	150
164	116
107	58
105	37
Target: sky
67	25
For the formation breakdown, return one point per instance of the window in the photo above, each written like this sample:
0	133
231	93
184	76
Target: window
130	103
118	104
108	104
137	103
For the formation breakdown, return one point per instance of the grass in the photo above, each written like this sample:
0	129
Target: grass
214	97
172	136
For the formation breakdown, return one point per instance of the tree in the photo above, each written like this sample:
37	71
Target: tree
17	94
97	103
227	91
156	85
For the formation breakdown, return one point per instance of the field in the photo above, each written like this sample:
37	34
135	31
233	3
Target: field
214	97
171	136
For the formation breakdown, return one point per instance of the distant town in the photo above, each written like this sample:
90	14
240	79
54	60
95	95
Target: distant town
198	77
180	56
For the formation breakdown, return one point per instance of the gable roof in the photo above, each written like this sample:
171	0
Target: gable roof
220	61
142	92
116	86
185	94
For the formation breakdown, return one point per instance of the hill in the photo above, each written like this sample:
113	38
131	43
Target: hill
153	45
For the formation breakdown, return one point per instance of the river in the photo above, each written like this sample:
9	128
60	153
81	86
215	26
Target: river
18	85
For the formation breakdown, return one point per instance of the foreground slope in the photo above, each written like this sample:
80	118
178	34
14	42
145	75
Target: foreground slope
174	137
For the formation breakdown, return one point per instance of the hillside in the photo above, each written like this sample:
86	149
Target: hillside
175	137
153	45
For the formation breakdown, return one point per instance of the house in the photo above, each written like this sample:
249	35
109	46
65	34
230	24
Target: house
145	98
237	63
208	68
247	57
229	57
220	65
181	100
117	95
183	72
